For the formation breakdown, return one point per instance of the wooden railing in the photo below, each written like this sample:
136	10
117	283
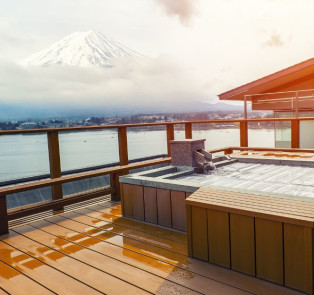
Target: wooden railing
56	180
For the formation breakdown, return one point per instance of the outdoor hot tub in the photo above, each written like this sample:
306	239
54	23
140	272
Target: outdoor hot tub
158	196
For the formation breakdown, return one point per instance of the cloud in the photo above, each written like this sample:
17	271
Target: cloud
274	40
154	84
15	45
184	9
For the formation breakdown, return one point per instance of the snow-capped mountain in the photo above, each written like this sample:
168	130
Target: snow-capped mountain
83	49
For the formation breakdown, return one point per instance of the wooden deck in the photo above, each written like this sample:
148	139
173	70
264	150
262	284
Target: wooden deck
93	250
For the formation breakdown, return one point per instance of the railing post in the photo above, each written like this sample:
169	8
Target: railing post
188	130
4	224
170	136
123	146
295	134
124	160
228	151
243	134
55	165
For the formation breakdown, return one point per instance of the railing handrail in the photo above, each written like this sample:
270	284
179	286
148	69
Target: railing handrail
97	127
75	171
64	179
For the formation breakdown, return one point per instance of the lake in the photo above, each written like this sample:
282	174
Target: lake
27	155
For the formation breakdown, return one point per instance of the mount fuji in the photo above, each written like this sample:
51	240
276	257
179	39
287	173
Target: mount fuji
83	49
133	88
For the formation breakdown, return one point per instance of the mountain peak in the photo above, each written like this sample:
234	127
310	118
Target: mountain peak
84	48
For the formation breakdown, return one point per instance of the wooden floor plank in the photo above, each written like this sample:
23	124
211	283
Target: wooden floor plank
131	249
92	277
113	208
78	246
209	270
109	236
18	284
140	226
102	220
145	227
41	272
164	270
3	292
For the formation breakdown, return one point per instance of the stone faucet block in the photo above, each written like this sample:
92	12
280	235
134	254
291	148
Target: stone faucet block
182	151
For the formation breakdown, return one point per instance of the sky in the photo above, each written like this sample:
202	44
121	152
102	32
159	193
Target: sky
195	49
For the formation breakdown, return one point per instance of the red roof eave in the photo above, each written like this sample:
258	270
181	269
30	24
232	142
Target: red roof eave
234	93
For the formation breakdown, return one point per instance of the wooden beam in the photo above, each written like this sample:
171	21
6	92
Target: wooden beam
123	146
243	134
4	225
55	165
242	243
170	136
295	134
188	130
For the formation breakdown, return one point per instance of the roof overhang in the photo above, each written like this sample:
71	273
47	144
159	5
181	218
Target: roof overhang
274	82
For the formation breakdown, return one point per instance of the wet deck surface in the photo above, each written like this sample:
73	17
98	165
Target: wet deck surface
96	251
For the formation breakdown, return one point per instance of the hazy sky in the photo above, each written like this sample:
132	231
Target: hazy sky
215	44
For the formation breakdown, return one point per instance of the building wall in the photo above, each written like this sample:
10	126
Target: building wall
283	131
307	134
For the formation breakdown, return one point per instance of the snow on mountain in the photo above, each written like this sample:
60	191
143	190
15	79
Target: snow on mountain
84	49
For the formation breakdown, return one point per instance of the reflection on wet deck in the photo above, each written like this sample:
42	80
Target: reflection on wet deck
94	250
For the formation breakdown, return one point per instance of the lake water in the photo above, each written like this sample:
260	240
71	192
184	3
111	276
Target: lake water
27	155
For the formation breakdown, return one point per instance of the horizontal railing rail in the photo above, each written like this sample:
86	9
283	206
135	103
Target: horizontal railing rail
103	127
79	176
74	171
57	178
231	149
